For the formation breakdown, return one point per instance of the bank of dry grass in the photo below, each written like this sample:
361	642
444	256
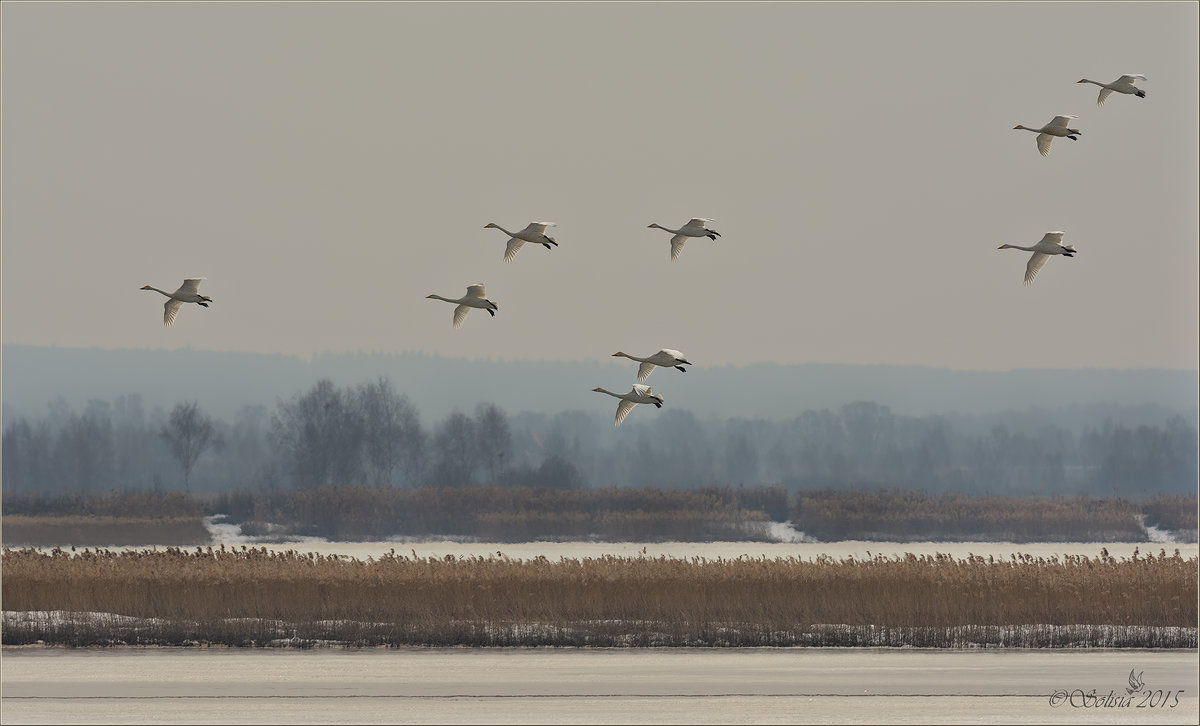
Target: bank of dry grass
908	516
93	531
396	599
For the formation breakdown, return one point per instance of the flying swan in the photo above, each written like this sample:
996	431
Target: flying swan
188	292
1051	244
694	228
666	358
1124	84
476	297
637	394
1057	127
535	232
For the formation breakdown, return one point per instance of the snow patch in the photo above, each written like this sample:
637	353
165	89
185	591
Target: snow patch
784	532
1154	534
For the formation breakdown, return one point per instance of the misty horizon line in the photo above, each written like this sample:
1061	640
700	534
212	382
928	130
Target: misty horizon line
310	357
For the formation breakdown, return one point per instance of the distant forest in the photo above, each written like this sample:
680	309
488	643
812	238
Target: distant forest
372	435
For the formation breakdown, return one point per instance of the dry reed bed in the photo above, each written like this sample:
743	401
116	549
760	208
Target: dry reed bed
111	531
903	515
247	596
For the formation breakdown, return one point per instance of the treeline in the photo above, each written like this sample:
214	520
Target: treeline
372	435
253	597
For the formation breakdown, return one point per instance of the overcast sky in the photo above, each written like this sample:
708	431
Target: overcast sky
327	166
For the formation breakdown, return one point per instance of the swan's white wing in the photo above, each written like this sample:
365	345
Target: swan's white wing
514	244
1043	142
673	354
698	222
1131	77
476	291
623	409
1104	94
641	390
677	245
539	227
644	371
192	285
1060	121
1036	263
170	310
1052	238
460	314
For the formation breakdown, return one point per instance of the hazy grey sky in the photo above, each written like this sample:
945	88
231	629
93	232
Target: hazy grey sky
327	166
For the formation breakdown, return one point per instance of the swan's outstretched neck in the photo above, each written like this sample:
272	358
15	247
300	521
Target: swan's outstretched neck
1016	247
604	390
439	297
1084	80
155	289
626	355
505	231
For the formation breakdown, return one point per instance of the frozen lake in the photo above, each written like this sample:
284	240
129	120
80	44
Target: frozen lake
173	685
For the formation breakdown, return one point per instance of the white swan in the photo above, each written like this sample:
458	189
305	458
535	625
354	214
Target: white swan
188	292
1124	84
666	358
535	232
637	394
1051	244
1057	127
476	297
694	228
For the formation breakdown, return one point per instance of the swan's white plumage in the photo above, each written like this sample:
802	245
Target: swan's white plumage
638	394
1058	126
665	358
695	227
1124	84
534	232
188	292
476	297
1050	244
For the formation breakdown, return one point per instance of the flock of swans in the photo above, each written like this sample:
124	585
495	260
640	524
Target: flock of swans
535	232
1060	126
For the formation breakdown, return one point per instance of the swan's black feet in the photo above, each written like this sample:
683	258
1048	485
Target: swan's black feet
681	369
1141	94
657	404
491	312
1073	138
203	305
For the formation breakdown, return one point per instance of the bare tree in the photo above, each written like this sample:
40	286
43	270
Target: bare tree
455	452
320	436
392	435
493	440
189	433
